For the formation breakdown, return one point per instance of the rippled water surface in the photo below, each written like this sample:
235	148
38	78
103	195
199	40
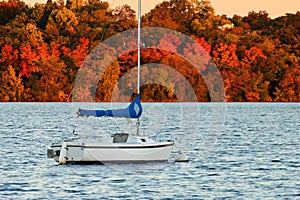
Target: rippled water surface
236	150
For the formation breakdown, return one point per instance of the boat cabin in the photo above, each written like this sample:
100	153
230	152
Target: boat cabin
120	137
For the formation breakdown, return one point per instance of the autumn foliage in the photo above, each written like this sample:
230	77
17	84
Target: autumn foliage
43	47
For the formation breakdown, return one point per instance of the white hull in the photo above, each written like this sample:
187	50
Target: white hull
151	151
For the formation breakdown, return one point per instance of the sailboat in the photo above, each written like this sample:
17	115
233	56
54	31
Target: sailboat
119	147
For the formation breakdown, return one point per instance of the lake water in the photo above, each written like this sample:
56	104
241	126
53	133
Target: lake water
236	150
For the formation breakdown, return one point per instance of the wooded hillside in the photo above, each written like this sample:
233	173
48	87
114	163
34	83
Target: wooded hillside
42	47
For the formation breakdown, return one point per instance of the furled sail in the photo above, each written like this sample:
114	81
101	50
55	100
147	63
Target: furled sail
134	110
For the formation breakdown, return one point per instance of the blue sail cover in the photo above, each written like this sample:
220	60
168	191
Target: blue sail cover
134	110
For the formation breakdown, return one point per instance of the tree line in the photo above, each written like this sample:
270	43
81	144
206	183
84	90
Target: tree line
42	48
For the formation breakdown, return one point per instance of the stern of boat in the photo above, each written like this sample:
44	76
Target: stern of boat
54	151
65	153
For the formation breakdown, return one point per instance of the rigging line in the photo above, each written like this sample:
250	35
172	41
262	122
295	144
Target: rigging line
75	124
105	29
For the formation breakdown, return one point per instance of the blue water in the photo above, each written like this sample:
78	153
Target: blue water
236	150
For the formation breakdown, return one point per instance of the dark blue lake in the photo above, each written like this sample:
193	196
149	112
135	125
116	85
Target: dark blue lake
236	150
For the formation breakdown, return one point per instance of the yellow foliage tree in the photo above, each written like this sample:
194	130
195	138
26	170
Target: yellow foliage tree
12	88
108	82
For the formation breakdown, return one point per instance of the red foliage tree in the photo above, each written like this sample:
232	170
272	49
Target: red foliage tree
8	55
252	54
225	54
28	56
204	44
80	53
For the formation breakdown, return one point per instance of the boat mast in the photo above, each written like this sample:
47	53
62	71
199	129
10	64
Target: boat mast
139	45
139	60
